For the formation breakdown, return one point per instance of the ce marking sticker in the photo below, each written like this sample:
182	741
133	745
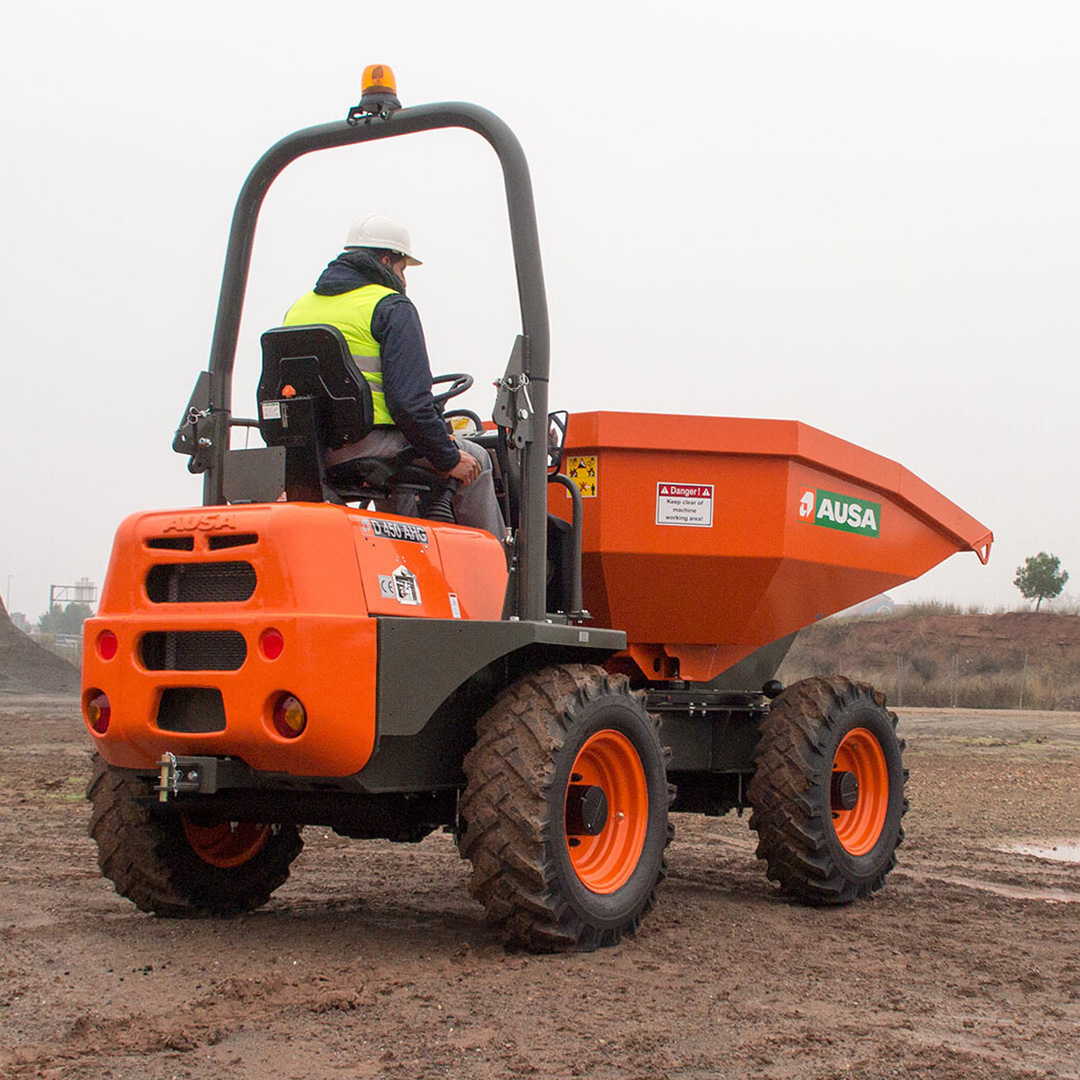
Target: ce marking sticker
401	586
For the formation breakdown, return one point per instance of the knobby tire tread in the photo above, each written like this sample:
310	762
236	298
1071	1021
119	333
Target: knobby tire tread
508	832
148	860
790	808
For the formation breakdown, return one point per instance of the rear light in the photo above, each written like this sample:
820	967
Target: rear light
107	645
97	710
271	644
290	717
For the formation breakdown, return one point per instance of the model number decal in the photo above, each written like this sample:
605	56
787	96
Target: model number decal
399	530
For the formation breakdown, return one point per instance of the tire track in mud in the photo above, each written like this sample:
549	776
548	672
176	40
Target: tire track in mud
214	1015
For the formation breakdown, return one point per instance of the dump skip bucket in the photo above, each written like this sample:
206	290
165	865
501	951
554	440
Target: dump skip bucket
706	538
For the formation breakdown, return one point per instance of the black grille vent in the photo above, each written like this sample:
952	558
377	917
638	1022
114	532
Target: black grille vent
194	583
172	543
193	650
239	540
193	709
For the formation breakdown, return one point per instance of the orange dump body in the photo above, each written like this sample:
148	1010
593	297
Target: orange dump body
189	595
708	537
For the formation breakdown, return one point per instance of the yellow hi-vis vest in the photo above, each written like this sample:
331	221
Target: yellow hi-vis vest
351	313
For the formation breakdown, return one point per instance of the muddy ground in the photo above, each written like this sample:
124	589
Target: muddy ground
373	962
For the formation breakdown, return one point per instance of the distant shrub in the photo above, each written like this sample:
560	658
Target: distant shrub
997	693
926	667
928	607
983	663
832	634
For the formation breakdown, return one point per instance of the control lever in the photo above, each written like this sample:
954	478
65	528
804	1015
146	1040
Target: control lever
440	508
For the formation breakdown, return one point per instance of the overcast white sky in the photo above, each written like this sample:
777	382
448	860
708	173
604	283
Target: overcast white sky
860	215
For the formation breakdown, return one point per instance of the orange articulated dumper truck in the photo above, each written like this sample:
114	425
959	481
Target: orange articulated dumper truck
290	654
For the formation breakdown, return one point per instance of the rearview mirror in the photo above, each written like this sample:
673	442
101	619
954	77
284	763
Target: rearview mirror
556	437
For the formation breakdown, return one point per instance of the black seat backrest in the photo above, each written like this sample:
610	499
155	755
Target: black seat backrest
316	363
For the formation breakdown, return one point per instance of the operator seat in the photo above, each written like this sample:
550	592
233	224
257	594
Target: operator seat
312	399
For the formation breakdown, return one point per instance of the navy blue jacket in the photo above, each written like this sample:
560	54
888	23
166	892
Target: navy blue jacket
406	370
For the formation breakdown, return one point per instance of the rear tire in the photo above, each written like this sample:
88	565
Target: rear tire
174	865
828	791
565	813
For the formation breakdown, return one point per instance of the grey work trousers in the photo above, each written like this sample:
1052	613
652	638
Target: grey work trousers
476	505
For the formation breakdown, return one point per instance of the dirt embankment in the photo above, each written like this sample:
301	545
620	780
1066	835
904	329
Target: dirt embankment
1014	660
26	667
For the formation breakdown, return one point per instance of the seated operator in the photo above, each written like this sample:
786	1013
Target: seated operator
362	293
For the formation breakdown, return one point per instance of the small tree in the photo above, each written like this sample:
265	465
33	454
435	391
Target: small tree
64	620
1039	578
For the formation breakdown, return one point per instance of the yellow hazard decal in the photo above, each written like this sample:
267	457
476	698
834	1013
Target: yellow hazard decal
462	425
582	470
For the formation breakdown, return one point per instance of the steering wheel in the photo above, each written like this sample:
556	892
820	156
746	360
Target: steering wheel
458	385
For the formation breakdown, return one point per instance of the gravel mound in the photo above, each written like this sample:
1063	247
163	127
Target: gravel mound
25	667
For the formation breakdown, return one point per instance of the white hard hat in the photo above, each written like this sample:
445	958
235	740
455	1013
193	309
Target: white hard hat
380	231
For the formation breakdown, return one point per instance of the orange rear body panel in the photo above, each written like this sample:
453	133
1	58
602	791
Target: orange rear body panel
703	540
321	575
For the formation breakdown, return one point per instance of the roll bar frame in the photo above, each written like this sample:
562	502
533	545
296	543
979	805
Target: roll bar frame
528	601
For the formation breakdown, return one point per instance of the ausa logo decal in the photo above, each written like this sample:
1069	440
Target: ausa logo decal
200	523
843	512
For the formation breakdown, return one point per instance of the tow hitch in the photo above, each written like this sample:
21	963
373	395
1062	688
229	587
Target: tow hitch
186	775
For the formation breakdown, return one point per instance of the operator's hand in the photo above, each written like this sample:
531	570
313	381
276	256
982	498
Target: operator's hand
466	470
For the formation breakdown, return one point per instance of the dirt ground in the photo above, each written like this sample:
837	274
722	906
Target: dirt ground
373	962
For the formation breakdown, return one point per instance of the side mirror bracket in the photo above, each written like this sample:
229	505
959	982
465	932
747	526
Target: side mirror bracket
513	405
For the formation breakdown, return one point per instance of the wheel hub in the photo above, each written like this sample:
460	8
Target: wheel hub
586	810
225	844
860	805
845	790
606	811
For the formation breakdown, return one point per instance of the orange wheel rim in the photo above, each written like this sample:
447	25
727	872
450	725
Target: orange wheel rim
859	828
606	861
228	844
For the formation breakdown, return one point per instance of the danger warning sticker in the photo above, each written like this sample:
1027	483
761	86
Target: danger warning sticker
684	504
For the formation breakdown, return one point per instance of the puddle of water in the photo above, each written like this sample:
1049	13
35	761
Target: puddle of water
1065	851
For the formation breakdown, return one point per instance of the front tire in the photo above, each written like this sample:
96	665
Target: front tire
828	791
176	865
565	812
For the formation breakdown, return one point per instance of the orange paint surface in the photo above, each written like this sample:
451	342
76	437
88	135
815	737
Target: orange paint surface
316	574
466	564
708	594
